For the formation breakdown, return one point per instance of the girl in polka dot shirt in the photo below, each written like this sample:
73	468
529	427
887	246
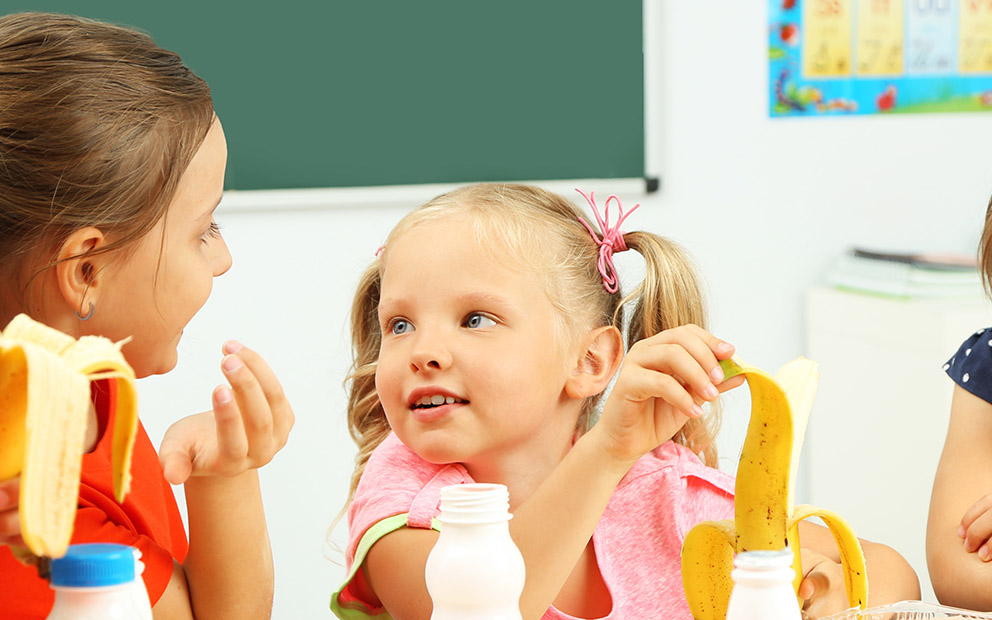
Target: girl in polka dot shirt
959	528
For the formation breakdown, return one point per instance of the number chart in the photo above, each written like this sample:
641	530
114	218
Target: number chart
837	57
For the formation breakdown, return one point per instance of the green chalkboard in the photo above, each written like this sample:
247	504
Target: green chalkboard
340	93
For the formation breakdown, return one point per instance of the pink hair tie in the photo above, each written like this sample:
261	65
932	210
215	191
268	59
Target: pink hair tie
611	240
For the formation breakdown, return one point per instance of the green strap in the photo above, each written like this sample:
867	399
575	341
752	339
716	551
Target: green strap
371	536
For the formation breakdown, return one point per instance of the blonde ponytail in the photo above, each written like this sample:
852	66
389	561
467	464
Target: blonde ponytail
670	296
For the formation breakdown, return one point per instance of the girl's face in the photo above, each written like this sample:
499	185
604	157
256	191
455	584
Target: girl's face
152	292
469	370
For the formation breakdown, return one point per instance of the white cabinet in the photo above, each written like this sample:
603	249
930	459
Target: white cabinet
881	410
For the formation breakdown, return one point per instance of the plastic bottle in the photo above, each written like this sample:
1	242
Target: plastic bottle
475	571
763	587
99	581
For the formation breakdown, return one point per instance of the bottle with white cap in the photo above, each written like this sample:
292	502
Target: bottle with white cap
475	570
97	581
763	587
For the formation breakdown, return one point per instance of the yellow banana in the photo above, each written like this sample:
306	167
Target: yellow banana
45	380
765	517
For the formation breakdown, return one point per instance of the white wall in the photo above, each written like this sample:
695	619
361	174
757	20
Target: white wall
763	204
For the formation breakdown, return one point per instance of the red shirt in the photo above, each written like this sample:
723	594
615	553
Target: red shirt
148	519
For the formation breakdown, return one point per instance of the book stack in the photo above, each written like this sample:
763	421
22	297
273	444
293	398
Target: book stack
905	275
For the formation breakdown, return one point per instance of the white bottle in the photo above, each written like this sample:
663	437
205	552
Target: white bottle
763	587
99	581
475	571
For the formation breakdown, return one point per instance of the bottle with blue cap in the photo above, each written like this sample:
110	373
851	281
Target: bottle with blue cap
97	581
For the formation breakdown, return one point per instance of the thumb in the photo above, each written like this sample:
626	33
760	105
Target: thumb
814	583
176	463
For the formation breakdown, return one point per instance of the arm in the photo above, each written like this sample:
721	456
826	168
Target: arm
228	571
964	476
663	380
890	577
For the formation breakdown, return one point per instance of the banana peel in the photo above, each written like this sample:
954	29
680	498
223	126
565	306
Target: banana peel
765	517
45	378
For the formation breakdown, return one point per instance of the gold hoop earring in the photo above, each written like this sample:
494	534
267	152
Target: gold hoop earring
88	314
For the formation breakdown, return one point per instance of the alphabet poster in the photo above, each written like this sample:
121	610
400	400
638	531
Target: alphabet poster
836	57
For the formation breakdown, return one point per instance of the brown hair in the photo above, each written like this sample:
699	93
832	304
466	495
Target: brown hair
541	231
97	125
985	250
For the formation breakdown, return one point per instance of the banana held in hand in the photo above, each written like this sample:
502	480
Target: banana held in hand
45	380
764	515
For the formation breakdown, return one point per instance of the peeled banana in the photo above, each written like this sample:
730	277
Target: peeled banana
45	380
765	517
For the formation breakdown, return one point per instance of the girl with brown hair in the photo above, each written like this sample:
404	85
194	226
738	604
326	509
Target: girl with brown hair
111	166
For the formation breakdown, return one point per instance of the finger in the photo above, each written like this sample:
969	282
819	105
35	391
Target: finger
10	526
731	383
978	532
980	507
720	348
10	490
985	552
256	415
644	384
703	346
682	361
280	411
233	442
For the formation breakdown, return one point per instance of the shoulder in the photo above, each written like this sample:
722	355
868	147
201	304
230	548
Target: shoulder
676	465
673	479
397	481
971	366
394	468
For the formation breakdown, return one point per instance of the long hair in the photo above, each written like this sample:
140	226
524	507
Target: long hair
97	125
541	233
985	251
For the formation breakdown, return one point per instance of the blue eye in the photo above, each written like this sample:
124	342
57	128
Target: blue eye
400	326
478	320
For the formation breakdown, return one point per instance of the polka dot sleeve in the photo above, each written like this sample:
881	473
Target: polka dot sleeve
971	366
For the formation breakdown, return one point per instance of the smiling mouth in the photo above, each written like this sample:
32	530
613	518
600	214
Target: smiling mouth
430	402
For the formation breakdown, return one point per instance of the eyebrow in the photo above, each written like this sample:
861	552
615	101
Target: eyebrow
211	210
471	298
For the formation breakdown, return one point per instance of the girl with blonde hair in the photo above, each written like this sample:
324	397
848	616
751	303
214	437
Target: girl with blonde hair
484	336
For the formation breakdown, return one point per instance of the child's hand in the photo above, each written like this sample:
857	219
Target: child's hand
662	383
249	423
10	522
822	589
976	528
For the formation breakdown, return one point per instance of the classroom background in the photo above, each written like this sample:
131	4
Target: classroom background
764	204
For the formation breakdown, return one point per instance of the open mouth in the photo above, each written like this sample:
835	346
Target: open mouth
437	400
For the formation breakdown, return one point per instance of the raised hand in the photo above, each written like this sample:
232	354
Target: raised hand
663	382
249	423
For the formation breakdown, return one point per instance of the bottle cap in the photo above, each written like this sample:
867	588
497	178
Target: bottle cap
94	565
764	559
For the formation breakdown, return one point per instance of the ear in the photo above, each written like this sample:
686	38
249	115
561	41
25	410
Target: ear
599	361
77	271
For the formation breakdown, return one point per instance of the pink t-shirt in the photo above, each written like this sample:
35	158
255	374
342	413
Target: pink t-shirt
638	541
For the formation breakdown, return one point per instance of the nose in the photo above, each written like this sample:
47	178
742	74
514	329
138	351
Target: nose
222	260
429	353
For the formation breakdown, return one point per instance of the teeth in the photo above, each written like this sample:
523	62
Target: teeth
435	400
